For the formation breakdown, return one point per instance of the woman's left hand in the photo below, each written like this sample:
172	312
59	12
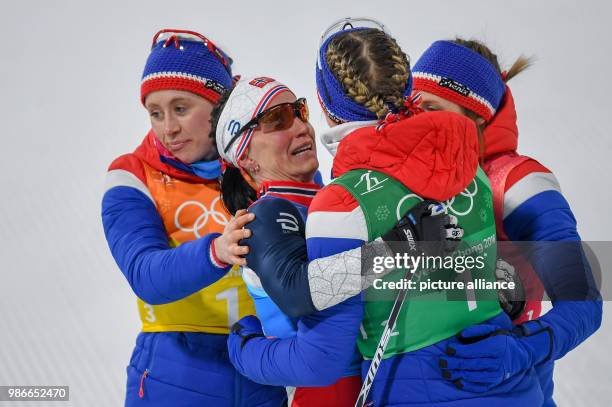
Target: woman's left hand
226	246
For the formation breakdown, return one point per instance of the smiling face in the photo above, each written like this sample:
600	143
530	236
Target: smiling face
181	121
282	155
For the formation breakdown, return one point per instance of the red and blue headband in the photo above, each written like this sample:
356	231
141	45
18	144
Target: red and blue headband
456	73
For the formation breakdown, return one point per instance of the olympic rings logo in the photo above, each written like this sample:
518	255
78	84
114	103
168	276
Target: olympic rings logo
467	193
448	205
201	220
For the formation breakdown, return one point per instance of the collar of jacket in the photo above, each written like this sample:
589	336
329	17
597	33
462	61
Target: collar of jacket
147	152
434	154
298	192
332	137
501	134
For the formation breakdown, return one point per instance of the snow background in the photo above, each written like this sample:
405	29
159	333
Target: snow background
69	86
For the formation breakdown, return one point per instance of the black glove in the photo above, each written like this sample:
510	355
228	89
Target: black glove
512	301
247	328
426	229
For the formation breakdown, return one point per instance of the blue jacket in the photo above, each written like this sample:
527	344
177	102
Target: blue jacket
324	346
171	365
335	225
535	212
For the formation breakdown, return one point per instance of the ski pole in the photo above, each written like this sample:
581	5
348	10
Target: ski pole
382	345
434	209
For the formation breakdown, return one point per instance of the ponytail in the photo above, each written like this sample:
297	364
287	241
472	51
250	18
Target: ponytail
518	66
236	192
480	48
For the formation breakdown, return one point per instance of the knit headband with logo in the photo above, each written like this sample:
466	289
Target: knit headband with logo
186	62
460	75
333	98
250	97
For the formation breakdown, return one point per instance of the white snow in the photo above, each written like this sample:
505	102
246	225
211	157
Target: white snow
69	102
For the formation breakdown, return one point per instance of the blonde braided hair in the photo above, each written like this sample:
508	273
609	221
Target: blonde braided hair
371	67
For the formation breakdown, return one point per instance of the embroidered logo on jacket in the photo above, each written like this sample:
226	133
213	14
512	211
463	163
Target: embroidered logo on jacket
288	222
371	182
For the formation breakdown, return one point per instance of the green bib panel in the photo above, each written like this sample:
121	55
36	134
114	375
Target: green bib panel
428	315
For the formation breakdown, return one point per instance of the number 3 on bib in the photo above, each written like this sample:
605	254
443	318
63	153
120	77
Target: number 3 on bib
150	314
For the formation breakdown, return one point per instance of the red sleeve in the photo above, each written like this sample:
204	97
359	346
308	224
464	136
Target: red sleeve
130	163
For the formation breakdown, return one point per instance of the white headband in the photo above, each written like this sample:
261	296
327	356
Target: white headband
249	97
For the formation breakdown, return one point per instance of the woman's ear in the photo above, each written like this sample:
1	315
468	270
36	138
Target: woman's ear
330	122
249	164
249	169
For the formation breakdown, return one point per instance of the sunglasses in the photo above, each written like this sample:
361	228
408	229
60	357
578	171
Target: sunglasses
175	35
349	23
276	118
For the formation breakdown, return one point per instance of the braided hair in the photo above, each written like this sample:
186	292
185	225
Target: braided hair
371	67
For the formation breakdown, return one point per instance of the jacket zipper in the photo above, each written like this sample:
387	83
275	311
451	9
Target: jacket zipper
145	374
142	379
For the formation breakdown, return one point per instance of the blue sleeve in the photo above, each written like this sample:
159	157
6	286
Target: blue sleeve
325	341
555	252
318	355
277	254
137	239
274	322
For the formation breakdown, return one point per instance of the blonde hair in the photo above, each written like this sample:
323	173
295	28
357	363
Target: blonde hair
521	63
371	67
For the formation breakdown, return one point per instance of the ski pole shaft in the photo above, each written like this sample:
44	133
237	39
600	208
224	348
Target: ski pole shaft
382	345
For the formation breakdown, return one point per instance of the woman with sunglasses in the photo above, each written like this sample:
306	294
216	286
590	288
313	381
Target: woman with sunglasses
362	76
465	77
264	136
162	216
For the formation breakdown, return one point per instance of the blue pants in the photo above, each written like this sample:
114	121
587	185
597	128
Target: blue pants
191	369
